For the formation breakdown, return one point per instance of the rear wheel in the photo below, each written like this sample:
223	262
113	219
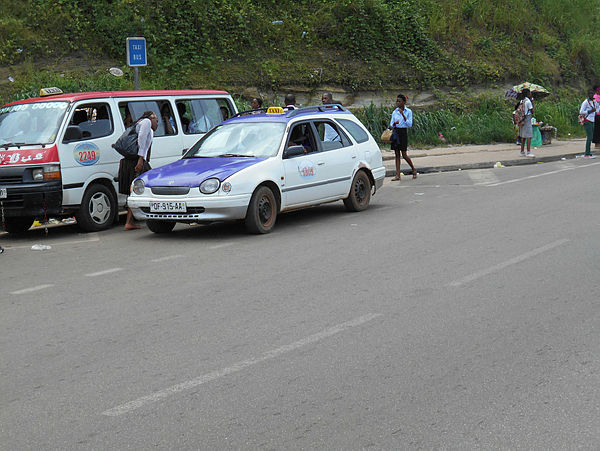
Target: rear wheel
98	209
262	211
160	226
360	193
17	225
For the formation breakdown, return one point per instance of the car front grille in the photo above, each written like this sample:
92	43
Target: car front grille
170	190
10	179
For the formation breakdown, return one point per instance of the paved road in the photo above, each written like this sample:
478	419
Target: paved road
460	311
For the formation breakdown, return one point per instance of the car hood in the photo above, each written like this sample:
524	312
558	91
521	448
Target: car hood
193	171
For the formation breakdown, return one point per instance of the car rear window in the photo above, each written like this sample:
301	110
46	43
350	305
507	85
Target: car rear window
357	132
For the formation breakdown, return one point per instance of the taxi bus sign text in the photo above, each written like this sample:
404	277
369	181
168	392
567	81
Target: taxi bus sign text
136	52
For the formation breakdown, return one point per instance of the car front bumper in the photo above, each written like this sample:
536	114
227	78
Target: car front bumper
32	199
199	209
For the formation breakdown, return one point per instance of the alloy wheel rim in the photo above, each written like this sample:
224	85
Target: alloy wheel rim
99	208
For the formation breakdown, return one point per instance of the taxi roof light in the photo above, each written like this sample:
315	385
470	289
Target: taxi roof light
275	110
50	91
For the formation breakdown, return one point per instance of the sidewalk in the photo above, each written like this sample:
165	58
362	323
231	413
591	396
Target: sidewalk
453	158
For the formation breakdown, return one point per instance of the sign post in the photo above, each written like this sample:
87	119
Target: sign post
136	56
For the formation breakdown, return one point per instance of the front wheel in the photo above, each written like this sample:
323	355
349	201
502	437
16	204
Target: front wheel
17	225
160	226
98	209
262	211
360	193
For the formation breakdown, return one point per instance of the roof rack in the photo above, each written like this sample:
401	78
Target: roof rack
320	108
247	112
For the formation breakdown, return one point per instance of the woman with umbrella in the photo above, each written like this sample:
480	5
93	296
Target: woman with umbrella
526	130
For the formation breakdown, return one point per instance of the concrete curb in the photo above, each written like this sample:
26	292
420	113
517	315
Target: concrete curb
390	171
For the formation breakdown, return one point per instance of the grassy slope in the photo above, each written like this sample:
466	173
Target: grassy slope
358	45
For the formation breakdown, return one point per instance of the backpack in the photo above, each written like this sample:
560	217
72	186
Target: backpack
127	144
519	115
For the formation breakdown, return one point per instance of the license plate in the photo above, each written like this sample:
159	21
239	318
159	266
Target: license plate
167	207
3	193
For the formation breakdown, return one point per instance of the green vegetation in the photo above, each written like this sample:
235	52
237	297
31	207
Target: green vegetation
354	44
358	44
478	120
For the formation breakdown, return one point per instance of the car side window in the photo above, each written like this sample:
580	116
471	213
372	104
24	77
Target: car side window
302	135
91	120
132	111
201	115
357	132
330	136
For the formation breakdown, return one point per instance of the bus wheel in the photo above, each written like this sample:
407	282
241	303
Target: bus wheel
98	209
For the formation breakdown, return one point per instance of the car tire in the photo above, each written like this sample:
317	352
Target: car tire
17	225
98	209
157	226
262	211
360	193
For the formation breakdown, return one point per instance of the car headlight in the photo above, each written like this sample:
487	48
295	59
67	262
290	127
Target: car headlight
38	174
49	172
209	186
138	186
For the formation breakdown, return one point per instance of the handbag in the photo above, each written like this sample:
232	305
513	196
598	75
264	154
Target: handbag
127	144
582	117
386	136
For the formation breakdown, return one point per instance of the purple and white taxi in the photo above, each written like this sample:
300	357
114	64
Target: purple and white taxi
261	163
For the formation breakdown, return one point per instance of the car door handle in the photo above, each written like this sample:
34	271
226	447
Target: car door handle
320	163
353	156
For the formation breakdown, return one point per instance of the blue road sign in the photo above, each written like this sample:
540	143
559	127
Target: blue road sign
136	52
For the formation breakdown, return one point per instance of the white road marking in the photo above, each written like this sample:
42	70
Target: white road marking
483	177
168	257
28	246
541	175
29	290
101	273
512	261
213	375
219	246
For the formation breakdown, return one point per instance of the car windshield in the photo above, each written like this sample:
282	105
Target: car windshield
240	139
31	123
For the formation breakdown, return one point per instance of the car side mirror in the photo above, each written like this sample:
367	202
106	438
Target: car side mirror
73	133
293	151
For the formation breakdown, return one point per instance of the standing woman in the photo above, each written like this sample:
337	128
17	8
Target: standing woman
588	109
129	169
526	130
596	138
402	119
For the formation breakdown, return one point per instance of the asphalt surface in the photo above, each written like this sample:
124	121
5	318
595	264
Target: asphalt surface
460	311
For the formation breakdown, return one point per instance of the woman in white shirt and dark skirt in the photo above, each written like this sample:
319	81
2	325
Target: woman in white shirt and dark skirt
402	119
526	130
129	169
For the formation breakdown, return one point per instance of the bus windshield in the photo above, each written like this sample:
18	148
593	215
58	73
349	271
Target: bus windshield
31	123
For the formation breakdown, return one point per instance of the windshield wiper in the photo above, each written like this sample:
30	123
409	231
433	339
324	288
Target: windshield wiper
233	155
7	145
